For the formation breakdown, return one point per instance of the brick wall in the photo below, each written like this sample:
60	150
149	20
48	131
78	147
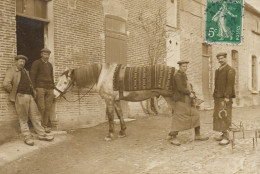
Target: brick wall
191	26
78	32
137	42
77	41
7	51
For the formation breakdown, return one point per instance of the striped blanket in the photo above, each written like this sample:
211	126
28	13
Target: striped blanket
144	78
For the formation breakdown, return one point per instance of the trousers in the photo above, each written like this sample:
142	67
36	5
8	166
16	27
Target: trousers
222	124
27	108
45	99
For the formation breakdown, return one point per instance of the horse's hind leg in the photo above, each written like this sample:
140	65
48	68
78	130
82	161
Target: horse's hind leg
110	115
121	118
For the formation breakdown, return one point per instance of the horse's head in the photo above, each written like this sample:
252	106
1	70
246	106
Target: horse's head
64	83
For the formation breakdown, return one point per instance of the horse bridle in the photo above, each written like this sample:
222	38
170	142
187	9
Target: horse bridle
66	90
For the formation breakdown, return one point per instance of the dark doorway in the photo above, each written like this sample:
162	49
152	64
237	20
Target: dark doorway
30	39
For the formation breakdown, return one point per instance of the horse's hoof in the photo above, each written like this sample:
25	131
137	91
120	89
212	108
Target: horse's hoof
107	138
121	135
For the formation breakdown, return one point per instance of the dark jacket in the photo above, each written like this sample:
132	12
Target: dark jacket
224	82
180	86
42	74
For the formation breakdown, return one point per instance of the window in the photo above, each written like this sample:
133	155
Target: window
172	13
34	9
254	74
115	40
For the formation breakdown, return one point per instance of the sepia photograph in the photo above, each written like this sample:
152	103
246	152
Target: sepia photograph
130	86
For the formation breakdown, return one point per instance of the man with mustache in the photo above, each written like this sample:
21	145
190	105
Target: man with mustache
223	93
18	83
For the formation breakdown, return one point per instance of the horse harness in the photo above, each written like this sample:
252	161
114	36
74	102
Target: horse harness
121	75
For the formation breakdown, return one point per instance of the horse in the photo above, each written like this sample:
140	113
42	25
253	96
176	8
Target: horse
104	78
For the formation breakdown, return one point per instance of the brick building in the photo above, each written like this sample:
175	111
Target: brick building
189	43
84	31
77	32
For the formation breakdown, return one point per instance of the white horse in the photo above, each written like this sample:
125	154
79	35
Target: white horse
101	78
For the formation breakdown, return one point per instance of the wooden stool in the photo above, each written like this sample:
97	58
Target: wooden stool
241	133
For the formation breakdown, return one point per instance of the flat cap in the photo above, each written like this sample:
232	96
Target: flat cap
183	62
221	54
46	50
21	57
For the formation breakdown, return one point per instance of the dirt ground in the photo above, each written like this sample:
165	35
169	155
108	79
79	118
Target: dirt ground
145	150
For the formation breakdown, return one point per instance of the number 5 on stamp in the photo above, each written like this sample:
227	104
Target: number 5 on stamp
224	21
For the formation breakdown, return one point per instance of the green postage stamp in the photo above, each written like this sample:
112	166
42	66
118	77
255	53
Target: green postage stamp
224	21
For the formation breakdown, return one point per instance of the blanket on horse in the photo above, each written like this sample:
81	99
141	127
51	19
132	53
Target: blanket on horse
143	78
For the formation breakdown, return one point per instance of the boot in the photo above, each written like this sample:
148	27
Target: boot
219	138
171	135
175	142
225	139
29	142
46	137
198	136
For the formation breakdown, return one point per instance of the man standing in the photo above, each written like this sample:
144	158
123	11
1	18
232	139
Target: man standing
223	93
18	83
43	80
185	115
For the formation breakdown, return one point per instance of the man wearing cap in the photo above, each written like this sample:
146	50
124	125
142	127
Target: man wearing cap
223	93
42	78
18	83
185	115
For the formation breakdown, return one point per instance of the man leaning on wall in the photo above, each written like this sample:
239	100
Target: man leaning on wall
43	80
18	83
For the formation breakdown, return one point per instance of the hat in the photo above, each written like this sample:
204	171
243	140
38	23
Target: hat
221	54
46	50
183	62
21	57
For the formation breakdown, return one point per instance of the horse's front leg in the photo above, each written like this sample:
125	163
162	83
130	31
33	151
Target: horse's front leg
110	116
120	116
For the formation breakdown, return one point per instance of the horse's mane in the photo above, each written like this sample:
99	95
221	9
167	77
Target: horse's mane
87	75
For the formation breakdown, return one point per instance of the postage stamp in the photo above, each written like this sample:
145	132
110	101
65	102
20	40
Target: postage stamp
224	21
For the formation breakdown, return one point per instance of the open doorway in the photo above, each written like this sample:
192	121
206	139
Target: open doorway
30	39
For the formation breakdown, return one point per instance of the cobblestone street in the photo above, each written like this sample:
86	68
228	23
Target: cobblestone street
145	150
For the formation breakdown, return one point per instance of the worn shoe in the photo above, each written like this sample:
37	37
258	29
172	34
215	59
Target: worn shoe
175	142
47	130
46	137
201	138
219	138
29	142
169	137
224	142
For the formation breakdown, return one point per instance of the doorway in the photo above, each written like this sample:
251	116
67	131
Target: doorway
30	39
